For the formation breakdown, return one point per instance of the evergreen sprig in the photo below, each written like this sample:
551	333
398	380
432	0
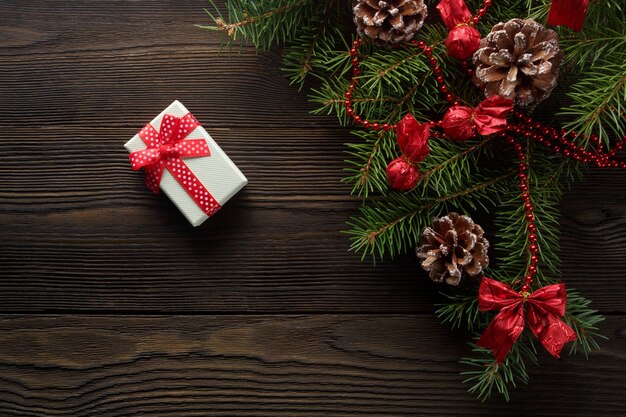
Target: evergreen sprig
390	226
469	176
598	100
262	22
488	375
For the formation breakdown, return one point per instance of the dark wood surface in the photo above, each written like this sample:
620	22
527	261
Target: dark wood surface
112	305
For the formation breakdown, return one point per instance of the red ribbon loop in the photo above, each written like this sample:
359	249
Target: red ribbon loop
570	13
454	12
544	308
165	148
490	114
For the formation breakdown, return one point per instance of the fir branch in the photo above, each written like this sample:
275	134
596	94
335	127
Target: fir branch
462	309
393	224
592	46
330	97
395	82
321	48
451	160
261	22
583	320
369	160
599	98
387	71
364	172
489	375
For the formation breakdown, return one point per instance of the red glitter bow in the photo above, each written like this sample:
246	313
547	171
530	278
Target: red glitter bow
165	148
462	122
412	138
570	13
462	40
543	309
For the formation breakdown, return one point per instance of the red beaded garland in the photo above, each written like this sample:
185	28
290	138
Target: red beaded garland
531	237
348	102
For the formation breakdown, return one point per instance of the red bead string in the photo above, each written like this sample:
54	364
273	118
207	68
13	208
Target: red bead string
564	143
533	246
481	12
356	71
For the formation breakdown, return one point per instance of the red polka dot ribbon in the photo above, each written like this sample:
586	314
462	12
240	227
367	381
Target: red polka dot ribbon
165	148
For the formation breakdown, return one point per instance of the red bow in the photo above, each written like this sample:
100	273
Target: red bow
165	148
412	138
462	122
570	13
544	307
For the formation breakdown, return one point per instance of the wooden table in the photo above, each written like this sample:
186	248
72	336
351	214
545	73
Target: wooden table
112	305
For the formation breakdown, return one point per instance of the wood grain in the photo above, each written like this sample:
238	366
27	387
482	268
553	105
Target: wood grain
116	63
323	365
82	238
84	230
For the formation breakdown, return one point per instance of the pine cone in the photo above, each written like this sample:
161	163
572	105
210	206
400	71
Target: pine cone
518	60
453	249
389	21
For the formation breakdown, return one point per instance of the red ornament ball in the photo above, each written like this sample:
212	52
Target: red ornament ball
462	42
402	174
458	123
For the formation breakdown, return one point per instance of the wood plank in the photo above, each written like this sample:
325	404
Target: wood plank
593	239
120	63
267	366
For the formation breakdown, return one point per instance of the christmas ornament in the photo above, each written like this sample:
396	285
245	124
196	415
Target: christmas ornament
453	249
390	21
544	308
462	122
570	13
518	60
412	139
463	39
180	157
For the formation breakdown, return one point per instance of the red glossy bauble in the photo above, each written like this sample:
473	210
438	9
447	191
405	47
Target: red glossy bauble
402	174
462	42
457	123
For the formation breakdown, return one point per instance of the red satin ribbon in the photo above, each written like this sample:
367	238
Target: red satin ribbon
165	148
543	309
490	115
570	13
454	12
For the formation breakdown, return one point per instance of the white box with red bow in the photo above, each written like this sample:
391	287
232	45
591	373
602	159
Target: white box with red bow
180	158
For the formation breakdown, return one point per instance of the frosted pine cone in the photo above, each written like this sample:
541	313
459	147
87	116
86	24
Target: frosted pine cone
389	21
453	249
518	60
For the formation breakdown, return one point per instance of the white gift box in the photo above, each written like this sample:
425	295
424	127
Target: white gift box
217	172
